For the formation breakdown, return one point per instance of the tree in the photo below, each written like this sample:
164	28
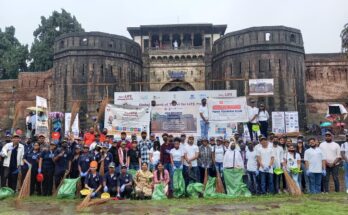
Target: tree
344	37
13	55
41	52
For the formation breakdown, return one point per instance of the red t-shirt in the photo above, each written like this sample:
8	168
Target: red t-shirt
88	138
128	144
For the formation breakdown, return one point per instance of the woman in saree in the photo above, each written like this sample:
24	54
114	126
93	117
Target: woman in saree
143	182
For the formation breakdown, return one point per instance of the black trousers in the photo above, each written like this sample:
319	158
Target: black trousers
264	128
9	179
47	184
250	126
127	192
34	185
58	178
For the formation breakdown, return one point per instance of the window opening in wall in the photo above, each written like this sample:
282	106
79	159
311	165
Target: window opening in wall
292	38
240	67
84	42
83	69
61	44
268	36
110	44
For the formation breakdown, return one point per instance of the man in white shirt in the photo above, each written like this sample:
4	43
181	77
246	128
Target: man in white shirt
263	118
315	166
278	159
332	154
253	119
204	114
265	159
233	158
344	153
190	169
252	169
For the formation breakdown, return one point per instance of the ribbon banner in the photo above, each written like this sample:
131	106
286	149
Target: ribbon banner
41	125
228	110
126	118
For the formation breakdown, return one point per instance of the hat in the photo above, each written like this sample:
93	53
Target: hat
77	147
262	138
123	167
93	164
41	135
328	133
105	146
204	139
300	136
52	143
219	138
112	165
152	135
212	138
39	177
252	101
15	135
85	146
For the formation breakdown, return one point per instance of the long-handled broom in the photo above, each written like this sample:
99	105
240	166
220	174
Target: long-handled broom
219	187
291	184
25	190
84	203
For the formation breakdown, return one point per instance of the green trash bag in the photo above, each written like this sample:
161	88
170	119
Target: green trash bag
194	190
68	189
159	193
210	189
6	192
234	183
133	172
178	184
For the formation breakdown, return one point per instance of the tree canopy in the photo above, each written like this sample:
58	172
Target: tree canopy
41	53
344	37
13	55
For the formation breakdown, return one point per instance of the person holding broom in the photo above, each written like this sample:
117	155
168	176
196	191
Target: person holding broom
93	180
292	162
46	166
62	160
31	160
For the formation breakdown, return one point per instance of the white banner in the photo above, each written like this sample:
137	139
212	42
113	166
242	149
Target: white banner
261	87
41	125
291	122
223	129
75	126
126	118
228	110
145	99
278	122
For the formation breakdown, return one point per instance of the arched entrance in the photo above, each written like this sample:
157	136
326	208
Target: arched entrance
177	86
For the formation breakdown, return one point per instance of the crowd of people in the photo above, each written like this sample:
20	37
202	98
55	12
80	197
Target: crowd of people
129	167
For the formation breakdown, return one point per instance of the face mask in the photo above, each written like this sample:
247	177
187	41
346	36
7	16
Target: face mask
233	147
250	148
292	150
276	143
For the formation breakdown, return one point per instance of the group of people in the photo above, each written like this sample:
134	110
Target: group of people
125	166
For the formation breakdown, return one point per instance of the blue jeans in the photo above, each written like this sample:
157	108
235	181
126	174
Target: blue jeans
252	182
219	167
265	176
204	129
169	168
190	175
346	174
134	166
304	176
177	164
315	182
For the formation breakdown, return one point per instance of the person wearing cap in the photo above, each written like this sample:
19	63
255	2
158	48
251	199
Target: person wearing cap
12	153
31	160
46	167
253	113
105	157
84	161
124	183
74	170
204	121
89	136
315	166
96	142
41	139
303	178
133	157
190	170
144	146
265	160
128	144
93	180
62	160
344	154
218	152
205	158
263	118
332	154
110	181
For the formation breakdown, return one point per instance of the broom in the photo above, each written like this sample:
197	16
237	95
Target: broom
16	115
102	107
292	187
84	203
74	110
101	169
205	177
219	187
97	202
25	190
61	183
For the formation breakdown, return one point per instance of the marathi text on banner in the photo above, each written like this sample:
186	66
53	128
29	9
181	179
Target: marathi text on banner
228	110
41	125
126	118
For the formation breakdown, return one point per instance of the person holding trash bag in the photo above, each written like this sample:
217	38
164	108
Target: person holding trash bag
292	163
31	160
93	180
110	181
161	176
62	160
124	182
46	166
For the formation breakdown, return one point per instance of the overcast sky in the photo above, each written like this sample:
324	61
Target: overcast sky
320	21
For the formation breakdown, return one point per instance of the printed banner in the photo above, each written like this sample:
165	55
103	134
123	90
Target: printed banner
278	122
175	119
228	110
222	129
262	87
291	122
126	118
41	125
147	99
75	126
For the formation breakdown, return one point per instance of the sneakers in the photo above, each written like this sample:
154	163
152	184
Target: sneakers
347	191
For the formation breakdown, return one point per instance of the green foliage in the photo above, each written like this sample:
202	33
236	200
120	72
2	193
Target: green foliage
13	55
344	37
41	52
